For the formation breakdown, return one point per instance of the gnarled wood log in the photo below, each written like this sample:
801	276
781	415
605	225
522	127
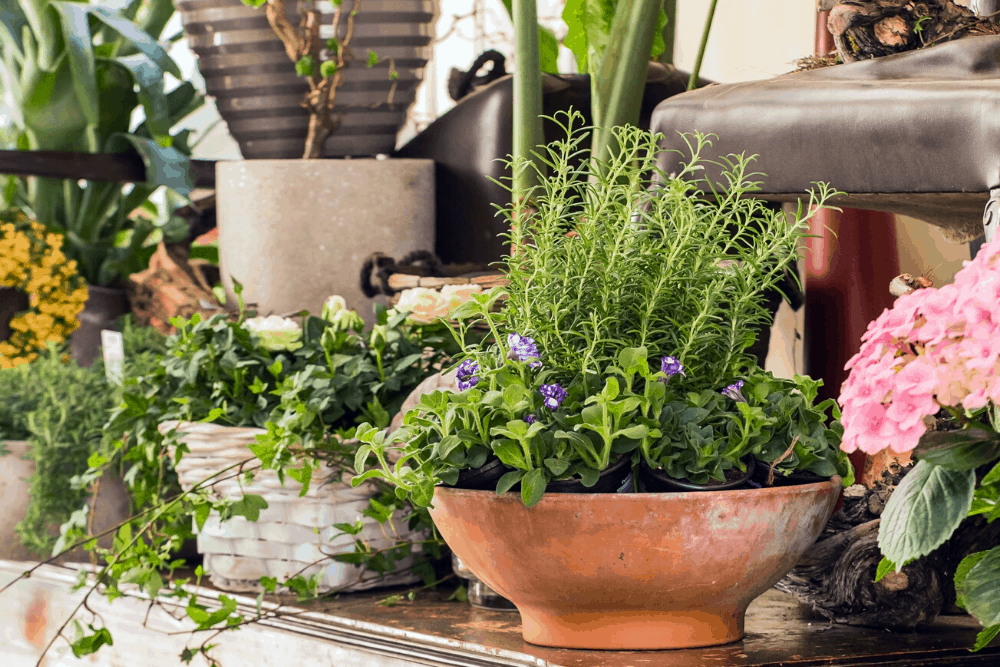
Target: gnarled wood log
836	577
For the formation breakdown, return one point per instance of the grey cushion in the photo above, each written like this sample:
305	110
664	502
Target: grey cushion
916	133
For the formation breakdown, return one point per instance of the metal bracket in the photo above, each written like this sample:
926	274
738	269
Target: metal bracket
991	216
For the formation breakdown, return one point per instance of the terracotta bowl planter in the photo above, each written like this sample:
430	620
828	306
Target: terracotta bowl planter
634	571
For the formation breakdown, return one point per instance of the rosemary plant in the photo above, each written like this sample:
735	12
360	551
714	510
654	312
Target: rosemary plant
626	256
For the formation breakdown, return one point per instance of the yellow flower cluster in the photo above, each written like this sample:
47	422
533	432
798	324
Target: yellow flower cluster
31	260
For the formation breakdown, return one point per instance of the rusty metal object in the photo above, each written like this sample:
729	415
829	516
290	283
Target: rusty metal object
633	571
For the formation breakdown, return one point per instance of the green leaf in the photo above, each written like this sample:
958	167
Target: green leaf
91	643
138	38
80	51
327	69
164	165
460	595
201	513
962	571
510	454
372	58
270	584
508	481
981	590
966	449
885	566
924	510
985	637
548	51
249	506
305	66
532	487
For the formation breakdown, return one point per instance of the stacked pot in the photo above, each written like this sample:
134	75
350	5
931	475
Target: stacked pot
259	95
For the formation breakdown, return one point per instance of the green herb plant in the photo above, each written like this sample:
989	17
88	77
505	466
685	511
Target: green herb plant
308	395
76	72
614	269
60	409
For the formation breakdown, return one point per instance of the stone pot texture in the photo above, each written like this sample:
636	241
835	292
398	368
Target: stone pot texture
293	534
103	308
16	469
633	571
259	95
294	232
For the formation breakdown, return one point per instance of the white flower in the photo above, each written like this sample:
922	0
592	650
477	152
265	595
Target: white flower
276	333
456	295
424	305
336	312
333	305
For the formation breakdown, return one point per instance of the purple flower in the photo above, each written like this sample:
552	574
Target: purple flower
528	419
466	374
554	395
671	366
733	392
524	349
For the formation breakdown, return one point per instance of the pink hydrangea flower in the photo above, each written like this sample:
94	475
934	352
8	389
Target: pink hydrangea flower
935	348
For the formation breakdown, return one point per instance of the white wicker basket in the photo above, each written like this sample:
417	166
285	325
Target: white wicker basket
292	532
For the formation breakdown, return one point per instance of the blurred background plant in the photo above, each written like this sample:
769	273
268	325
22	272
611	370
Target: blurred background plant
61	409
75	74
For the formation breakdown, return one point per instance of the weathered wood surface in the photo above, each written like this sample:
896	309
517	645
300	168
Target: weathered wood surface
110	167
864	29
836	577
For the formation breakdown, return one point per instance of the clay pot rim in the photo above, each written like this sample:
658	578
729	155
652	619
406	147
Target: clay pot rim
834	482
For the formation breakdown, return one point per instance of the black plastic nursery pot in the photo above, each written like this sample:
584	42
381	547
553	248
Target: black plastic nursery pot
657	481
616	479
781	479
484	477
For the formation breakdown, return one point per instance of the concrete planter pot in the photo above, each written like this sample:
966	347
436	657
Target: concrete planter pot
259	95
284	541
103	308
16	469
633	571
294	232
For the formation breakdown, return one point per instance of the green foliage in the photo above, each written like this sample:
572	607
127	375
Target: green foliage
964	449
924	510
548	45
75	73
935	497
789	413
61	409
588	25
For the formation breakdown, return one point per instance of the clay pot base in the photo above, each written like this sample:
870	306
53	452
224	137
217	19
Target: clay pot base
634	571
632	631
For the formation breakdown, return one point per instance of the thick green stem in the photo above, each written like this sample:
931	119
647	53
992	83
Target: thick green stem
528	133
693	81
616	91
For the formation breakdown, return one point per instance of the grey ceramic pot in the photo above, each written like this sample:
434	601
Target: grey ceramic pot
103	308
259	95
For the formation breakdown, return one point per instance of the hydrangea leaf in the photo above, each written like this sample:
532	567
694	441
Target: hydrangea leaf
923	512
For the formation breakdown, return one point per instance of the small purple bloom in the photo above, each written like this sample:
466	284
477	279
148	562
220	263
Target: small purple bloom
466	374
524	349
528	419
671	366
554	395
733	392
